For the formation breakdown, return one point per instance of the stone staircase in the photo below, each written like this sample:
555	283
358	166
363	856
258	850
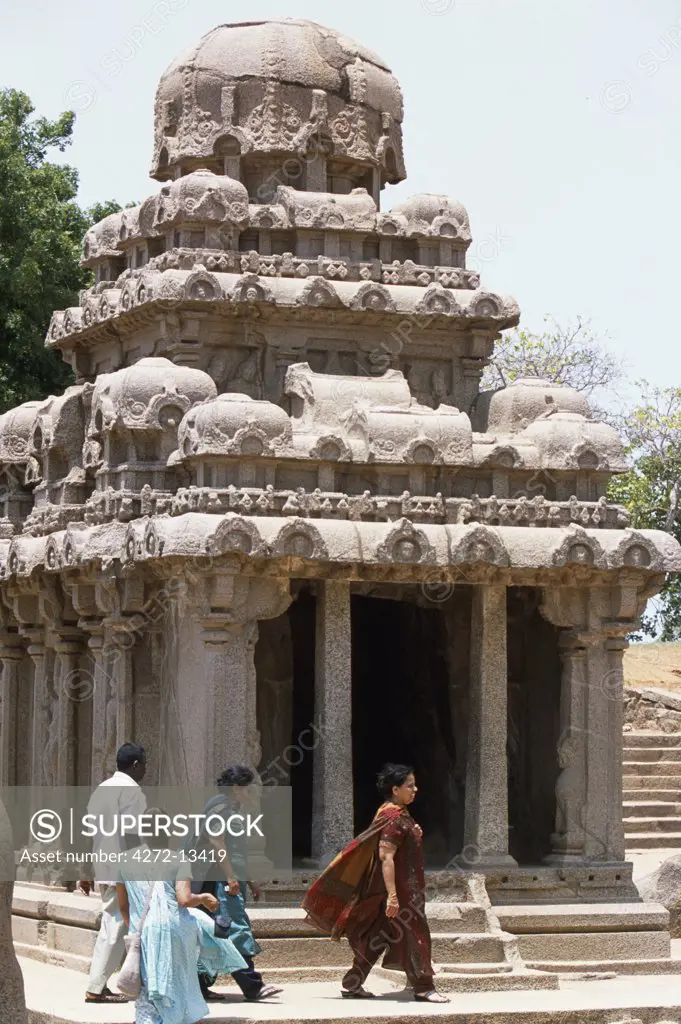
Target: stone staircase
652	790
476	946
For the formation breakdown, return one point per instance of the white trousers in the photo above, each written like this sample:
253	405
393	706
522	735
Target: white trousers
109	948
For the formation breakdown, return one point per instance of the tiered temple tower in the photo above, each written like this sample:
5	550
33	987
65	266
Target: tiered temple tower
275	504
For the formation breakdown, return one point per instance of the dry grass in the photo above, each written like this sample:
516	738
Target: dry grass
656	665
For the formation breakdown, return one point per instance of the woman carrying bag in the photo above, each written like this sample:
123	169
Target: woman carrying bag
172	937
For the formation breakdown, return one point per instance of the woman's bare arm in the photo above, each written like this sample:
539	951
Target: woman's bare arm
386	852
218	842
187	898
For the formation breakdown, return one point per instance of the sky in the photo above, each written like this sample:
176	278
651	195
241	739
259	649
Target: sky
556	122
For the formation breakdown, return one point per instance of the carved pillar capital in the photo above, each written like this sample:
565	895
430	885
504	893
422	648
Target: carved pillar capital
227	596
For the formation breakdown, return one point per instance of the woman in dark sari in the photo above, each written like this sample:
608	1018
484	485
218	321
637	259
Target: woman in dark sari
373	893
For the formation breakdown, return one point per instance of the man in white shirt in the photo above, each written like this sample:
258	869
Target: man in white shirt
127	798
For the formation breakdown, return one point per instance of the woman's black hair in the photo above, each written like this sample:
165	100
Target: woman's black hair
236	775
392	775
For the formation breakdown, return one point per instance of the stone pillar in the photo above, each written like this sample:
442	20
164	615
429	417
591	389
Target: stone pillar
603	830
38	655
613	686
111	642
98	770
230	734
68	649
11	654
486	817
332	807
120	641
567	842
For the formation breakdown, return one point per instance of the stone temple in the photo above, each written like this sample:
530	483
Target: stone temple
276	520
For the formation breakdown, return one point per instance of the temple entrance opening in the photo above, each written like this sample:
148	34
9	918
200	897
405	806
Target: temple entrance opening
409	698
534	674
410	653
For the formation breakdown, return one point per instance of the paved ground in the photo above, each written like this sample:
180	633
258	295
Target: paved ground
54	994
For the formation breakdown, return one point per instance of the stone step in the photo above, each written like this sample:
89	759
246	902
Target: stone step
610	945
512	981
633	780
650	809
74	909
665	768
59	943
652	739
283	922
666	796
56	997
664	825
45	955
665	965
652	841
468	949
582	918
652	754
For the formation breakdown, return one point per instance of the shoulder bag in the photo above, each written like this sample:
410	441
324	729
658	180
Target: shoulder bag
130	978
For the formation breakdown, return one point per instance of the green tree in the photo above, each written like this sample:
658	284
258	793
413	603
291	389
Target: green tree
651	490
41	229
570	355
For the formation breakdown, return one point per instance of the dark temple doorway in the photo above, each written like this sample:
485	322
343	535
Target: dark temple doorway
410	679
409	705
410	697
534	681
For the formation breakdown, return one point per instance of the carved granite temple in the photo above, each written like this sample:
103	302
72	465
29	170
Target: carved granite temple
276	520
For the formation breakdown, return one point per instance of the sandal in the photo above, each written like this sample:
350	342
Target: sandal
266	992
431	997
357	993
214	997
105	996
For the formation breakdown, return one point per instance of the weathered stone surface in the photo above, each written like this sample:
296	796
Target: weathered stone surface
12	1004
664	886
652	710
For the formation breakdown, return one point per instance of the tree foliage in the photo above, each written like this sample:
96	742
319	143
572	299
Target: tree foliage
570	355
651	490
41	229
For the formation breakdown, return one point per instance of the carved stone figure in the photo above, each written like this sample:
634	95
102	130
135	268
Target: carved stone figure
569	797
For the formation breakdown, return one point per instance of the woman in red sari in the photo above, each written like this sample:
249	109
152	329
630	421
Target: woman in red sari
373	893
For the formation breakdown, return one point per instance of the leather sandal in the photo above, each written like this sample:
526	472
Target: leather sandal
357	993
105	996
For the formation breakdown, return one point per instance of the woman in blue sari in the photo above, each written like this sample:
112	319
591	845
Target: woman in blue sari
177	940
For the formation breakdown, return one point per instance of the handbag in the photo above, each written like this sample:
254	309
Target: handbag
223	921
130	978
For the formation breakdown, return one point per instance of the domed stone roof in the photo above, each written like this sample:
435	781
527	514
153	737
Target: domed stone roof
234	424
429	214
147	395
200	197
527	399
273	87
569	440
